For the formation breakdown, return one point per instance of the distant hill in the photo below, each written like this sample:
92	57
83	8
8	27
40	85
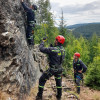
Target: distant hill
75	26
86	30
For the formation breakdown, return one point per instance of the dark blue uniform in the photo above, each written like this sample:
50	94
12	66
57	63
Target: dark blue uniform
30	23
79	65
56	56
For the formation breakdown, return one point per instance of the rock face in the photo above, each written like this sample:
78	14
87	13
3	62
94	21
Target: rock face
19	66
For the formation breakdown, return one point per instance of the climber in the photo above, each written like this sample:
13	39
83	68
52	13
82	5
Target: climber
30	22
79	68
56	56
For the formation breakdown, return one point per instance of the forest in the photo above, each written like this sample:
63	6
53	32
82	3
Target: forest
89	48
87	30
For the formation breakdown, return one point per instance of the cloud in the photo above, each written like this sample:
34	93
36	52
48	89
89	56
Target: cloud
77	12
76	8
81	8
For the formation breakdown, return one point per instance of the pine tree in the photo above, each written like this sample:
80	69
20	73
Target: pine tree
93	45
43	11
45	21
62	26
85	50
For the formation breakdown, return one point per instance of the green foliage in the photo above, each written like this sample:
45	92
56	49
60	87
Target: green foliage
42	31
93	44
43	12
93	76
87	30
45	24
84	50
88	48
62	26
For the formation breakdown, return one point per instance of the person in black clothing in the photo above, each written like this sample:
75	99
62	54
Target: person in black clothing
30	22
56	56
79	68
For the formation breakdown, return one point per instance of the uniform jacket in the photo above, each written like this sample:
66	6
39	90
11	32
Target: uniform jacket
30	13
79	65
56	54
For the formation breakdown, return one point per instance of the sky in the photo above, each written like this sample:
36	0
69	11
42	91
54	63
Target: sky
76	11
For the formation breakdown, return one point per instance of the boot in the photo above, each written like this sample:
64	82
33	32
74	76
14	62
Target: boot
39	97
59	93
58	97
78	90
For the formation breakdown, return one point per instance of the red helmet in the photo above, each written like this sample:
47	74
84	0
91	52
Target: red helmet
60	39
77	54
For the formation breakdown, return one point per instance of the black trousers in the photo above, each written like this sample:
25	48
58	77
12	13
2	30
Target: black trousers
78	77
30	35
45	76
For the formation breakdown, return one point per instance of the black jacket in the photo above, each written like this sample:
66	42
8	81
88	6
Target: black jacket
30	13
56	54
79	65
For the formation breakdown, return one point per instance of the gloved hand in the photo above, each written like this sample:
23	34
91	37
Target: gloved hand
80	71
51	45
41	70
35	21
44	39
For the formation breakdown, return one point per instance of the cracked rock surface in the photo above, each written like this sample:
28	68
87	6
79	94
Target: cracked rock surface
19	66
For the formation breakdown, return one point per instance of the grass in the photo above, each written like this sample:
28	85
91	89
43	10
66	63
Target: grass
96	97
3	96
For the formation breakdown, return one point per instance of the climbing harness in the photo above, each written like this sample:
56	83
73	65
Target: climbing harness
62	52
79	75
